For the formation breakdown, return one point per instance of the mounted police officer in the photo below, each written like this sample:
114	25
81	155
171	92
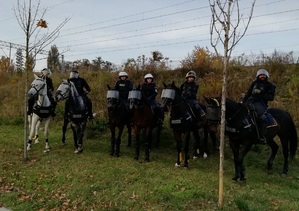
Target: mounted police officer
123	86
189	92
45	73
83	89
149	90
260	92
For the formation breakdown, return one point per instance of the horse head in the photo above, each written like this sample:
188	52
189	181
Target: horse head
135	97
63	90
236	114
38	87
171	96
112	98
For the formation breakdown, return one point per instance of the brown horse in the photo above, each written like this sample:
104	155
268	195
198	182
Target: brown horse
143	118
119	116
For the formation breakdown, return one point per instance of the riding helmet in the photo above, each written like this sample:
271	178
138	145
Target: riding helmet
191	74
148	76
123	73
262	71
74	74
46	72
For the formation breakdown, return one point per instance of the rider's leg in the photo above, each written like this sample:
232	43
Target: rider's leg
263	129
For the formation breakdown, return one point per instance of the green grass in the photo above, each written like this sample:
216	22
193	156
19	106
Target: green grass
93	180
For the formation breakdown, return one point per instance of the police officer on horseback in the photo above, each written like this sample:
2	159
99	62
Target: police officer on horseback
83	89
259	93
149	90
123	86
45	73
189	92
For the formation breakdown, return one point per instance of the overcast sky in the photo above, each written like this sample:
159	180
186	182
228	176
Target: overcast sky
120	29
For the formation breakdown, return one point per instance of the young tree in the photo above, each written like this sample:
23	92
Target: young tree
53	59
225	21
27	15
19	61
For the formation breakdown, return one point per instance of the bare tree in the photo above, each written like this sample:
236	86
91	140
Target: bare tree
225	21
27	15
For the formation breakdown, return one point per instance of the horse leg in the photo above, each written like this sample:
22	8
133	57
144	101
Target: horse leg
112	140
34	120
197	151
47	123
186	150
129	134
35	138
285	152
137	142
148	143
178	138
274	148
64	128
159	129
242	152
118	140
80	133
75	137
214	141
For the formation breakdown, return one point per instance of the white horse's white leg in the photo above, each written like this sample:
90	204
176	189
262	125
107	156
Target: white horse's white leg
47	123
34	120
37	127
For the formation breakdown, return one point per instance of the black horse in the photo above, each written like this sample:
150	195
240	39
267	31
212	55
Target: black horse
76	111
143	118
119	116
182	121
242	134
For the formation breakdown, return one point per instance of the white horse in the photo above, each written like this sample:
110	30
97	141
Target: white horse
76	111
41	111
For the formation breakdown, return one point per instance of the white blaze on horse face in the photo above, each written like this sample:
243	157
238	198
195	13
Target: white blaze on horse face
63	91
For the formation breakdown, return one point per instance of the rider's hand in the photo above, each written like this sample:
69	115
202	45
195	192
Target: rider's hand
256	91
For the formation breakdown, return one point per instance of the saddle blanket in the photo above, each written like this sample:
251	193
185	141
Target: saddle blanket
271	122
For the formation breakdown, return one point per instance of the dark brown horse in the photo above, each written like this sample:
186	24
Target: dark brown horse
143	119
119	116
182	121
241	131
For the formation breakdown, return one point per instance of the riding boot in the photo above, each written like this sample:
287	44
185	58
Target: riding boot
263	130
52	112
89	108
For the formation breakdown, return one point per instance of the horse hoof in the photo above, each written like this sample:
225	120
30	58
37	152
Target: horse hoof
235	178
205	155
195	157
28	146
76	151
36	141
146	160
284	175
177	165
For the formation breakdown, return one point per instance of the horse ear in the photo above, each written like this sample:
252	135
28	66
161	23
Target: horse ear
172	83
138	87
207	99
109	88
164	84
64	80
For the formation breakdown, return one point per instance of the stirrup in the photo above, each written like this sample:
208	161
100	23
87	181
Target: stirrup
263	141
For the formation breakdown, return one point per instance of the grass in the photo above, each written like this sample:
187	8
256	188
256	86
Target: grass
93	180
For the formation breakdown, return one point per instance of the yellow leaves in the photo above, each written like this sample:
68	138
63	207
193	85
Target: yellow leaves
42	23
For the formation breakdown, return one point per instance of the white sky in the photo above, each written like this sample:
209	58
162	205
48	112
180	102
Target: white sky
120	29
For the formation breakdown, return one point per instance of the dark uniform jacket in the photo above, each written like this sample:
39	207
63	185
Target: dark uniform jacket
81	84
123	86
149	91
267	92
189	91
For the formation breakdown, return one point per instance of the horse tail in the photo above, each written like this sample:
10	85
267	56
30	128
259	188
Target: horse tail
293	137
